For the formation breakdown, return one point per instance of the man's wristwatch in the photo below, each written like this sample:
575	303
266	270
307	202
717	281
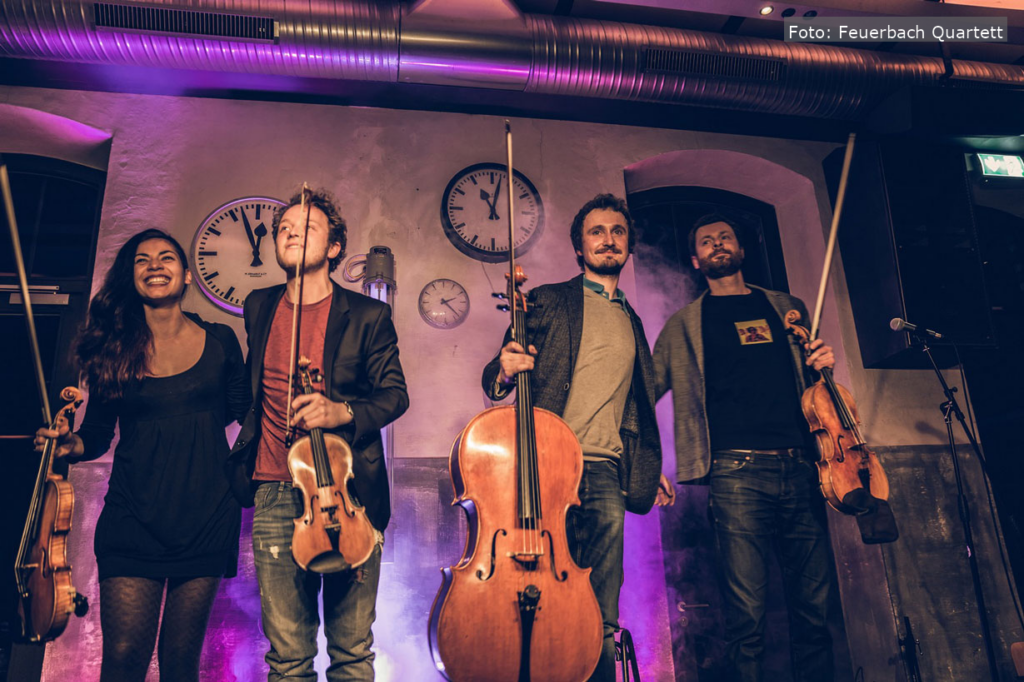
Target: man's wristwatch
349	408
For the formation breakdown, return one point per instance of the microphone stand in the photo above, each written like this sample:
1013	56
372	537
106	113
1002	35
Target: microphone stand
951	409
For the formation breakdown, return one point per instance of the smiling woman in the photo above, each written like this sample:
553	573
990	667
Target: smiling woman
171	382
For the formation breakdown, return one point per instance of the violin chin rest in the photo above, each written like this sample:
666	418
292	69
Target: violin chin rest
874	517
81	605
328	562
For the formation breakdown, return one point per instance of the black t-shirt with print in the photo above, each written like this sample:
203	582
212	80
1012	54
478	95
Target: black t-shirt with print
751	391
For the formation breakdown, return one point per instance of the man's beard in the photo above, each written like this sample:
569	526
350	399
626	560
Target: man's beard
606	267
314	261
713	269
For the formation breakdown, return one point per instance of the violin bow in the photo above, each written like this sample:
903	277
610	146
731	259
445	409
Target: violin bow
5	188
830	249
300	274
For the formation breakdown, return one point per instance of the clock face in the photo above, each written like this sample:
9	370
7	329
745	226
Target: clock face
474	212
444	304
233	252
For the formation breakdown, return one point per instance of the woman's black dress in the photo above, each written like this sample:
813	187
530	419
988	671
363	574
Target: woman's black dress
168	512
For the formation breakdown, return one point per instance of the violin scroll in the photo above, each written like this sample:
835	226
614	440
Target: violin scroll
71	394
797	330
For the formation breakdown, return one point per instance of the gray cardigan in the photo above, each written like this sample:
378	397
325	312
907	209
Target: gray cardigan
679	367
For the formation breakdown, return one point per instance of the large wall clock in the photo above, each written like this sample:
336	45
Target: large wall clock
233	252
474	212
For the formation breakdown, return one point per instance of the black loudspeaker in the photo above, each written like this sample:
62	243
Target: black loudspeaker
909	250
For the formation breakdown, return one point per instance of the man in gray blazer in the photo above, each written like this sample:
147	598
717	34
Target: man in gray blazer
736	378
591	365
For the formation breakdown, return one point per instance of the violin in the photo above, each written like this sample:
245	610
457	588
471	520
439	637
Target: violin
333	534
848	470
851	477
516	607
46	596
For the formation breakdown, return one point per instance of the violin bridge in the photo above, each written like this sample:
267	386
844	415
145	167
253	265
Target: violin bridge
332	516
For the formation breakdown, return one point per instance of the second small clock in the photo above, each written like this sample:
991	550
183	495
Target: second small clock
444	304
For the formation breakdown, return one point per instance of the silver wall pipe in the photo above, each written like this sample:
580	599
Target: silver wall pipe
488	44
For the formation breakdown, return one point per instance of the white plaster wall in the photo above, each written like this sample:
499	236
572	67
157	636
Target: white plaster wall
174	159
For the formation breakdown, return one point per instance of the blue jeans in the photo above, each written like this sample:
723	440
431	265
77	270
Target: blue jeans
759	502
594	531
288	596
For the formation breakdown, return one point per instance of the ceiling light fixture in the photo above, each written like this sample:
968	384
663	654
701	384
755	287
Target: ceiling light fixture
766	10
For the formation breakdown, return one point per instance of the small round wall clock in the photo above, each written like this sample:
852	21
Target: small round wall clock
444	304
233	252
474	212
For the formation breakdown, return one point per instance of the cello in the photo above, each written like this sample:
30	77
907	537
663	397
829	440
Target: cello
46	596
333	534
516	607
850	474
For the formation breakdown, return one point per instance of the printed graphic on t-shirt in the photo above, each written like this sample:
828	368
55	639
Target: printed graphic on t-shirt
754	331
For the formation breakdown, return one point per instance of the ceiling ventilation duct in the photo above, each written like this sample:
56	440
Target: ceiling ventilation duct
134	19
477	43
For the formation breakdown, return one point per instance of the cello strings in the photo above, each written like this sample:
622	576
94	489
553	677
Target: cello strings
533	473
534	478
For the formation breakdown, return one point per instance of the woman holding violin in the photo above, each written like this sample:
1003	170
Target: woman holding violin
170	382
737	378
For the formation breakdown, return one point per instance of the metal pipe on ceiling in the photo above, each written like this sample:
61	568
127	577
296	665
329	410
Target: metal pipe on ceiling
477	43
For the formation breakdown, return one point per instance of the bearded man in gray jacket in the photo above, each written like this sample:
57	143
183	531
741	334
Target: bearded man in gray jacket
736	378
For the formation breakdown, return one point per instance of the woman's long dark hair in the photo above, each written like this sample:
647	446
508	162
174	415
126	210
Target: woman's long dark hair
111	348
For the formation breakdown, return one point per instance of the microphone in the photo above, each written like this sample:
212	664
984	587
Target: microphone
897	325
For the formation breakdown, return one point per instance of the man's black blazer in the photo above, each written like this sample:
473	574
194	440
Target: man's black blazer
554	323
360	366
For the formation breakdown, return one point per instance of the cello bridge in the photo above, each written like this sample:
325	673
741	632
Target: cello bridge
527	559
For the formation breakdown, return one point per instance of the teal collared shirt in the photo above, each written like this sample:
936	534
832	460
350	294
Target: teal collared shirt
618	297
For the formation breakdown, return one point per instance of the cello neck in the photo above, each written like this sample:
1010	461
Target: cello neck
528	488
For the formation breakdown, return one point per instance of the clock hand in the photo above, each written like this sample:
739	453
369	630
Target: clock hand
451	308
493	205
252	239
261	232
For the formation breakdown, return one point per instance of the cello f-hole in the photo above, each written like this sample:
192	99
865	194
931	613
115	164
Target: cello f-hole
560	576
494	546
